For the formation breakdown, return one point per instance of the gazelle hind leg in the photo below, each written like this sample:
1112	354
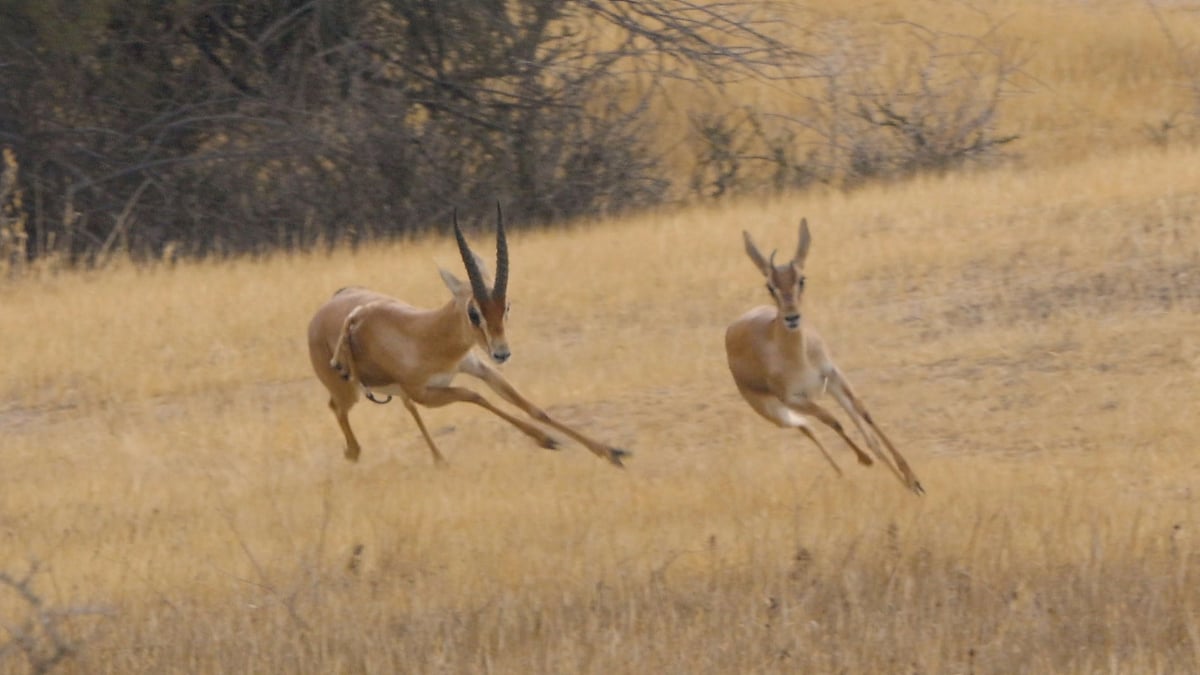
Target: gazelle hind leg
840	388
913	483
341	410
813	437
785	416
343	351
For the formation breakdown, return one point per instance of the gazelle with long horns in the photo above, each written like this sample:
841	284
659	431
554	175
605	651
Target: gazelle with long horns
361	341
780	364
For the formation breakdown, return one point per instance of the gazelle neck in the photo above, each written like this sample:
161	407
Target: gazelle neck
791	341
449	323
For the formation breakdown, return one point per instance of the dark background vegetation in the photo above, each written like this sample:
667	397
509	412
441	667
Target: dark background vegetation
158	128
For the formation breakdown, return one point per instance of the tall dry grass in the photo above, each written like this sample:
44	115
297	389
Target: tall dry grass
1027	336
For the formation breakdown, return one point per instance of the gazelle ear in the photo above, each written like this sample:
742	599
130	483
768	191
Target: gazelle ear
483	268
751	250
805	240
456	286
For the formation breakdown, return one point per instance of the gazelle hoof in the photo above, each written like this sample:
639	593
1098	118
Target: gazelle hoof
549	443
616	454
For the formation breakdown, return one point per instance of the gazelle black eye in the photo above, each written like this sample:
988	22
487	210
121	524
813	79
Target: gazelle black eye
800	283
473	315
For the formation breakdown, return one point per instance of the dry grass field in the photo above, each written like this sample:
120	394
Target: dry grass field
1029	337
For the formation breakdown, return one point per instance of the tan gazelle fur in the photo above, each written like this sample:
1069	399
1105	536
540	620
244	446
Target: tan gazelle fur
361	341
781	365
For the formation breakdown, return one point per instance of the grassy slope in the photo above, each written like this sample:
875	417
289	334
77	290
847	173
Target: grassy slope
1026	337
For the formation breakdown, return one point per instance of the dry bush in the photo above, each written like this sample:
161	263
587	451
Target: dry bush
877	101
13	237
1180	124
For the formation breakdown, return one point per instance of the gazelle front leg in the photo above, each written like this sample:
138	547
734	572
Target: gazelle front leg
412	408
476	368
841	390
436	397
811	409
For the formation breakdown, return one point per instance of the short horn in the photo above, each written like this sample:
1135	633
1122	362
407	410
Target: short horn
477	286
501	285
802	247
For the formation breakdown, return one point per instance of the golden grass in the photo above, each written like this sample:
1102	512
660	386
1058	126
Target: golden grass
1026	336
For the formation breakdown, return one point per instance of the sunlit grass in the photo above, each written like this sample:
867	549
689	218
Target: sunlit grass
1025	337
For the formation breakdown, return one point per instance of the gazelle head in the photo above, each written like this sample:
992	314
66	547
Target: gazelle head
785	282
486	309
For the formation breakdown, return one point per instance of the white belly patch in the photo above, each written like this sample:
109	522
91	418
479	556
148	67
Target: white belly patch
783	415
440	380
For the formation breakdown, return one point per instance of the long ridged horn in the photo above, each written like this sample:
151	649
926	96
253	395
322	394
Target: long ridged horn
501	285
478	288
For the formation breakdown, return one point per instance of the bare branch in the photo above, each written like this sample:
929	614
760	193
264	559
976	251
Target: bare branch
40	636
